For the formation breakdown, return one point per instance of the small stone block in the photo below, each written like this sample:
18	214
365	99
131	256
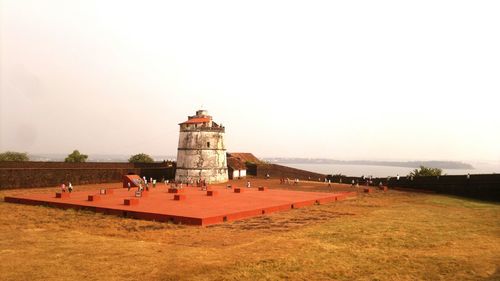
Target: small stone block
179	197
262	188
368	190
238	190
212	193
94	198
174	190
62	195
131	201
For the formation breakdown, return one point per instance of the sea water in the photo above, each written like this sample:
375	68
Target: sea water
385	171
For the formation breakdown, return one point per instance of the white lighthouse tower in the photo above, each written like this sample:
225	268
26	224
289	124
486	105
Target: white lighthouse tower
201	153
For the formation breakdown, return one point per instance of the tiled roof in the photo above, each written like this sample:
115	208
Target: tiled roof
236	163
197	120
245	157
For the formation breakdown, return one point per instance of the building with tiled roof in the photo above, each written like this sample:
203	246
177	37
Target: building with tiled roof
236	168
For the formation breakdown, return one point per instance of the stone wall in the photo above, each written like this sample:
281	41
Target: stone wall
279	171
202	155
480	186
43	174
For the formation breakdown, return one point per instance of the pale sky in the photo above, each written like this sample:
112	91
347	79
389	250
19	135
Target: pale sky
383	80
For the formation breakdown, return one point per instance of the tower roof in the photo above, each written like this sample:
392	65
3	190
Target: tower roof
196	120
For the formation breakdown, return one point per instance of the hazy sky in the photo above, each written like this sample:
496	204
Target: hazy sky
334	79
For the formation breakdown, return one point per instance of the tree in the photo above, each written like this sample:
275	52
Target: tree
140	158
426	172
14	156
76	157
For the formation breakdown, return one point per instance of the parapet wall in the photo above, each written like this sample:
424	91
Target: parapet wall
483	186
480	186
42	174
279	171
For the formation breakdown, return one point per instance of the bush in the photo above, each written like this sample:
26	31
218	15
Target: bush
140	158
14	156
76	157
425	172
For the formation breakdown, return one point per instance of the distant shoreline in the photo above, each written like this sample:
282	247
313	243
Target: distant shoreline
406	164
282	160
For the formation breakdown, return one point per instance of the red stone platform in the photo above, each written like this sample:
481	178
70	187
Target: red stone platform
194	206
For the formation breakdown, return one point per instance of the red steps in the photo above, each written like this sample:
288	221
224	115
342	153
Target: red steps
62	195
131	202
212	193
180	197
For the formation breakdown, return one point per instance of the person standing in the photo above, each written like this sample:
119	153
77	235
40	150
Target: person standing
63	187
70	187
154	183
128	186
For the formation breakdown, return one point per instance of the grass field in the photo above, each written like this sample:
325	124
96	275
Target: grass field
381	236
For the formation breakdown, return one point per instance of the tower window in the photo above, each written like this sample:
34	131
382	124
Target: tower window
208	144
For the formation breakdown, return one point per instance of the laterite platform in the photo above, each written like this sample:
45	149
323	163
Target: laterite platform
195	206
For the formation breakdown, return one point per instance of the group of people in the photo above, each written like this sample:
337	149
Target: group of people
68	188
142	184
288	181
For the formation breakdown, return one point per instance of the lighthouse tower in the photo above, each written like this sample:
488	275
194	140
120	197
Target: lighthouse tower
201	153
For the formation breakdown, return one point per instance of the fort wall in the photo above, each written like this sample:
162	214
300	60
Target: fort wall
480	186
43	174
279	171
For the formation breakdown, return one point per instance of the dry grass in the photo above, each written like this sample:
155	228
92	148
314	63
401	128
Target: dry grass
391	236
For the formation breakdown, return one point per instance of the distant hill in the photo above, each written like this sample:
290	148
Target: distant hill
409	164
95	157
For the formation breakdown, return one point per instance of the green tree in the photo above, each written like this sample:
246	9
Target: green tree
76	157
426	172
14	156
140	158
